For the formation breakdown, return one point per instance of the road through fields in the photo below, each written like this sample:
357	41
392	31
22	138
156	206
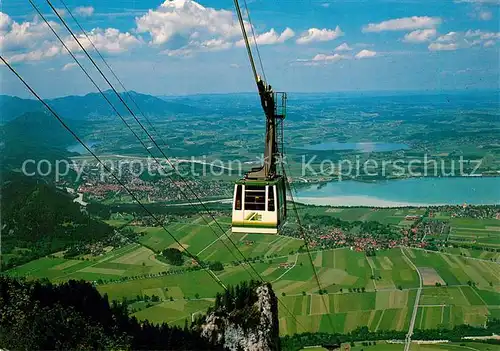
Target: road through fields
415	306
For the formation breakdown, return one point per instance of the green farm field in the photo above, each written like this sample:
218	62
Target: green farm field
127	261
395	216
194	235
385	346
377	291
474	253
484	232
459	270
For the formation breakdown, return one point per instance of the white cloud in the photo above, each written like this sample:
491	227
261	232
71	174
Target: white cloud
84	11
451	36
234	65
481	13
406	23
215	44
343	47
365	54
34	41
183	18
109	40
185	27
460	40
61	12
69	66
322	59
420	35
29	34
271	37
315	34
5	21
196	46
482	35
35	55
443	47
183	52
485	15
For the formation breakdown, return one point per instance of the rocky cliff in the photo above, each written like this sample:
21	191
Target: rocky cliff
244	318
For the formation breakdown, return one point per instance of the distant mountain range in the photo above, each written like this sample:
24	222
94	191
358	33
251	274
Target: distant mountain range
28	129
93	106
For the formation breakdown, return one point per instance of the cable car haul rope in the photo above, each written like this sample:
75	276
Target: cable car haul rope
260	197
259	201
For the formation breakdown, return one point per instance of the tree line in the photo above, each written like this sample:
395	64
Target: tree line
40	315
298	341
41	219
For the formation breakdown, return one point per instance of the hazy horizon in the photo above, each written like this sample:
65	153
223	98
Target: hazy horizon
348	92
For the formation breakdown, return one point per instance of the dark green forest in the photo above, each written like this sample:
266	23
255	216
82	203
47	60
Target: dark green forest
40	315
39	220
173	256
298	341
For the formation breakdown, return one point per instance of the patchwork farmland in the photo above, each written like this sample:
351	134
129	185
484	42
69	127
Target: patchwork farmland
485	232
377	291
395	216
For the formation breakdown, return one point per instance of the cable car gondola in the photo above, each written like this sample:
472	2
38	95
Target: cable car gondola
259	202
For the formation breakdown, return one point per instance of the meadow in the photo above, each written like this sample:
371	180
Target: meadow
484	232
385	346
394	216
459	270
377	291
127	261
474	253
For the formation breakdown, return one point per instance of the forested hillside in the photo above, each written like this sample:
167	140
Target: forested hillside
74	316
33	135
39	219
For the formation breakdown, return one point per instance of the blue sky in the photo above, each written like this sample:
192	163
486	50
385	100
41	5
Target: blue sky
186	47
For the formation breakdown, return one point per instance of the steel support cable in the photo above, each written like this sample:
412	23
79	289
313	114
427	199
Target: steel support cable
61	121
245	38
143	128
306	243
95	65
245	259
255	40
116	76
111	70
158	135
252	63
134	197
130	128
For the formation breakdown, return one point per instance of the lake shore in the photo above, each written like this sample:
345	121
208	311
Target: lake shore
339	201
408	192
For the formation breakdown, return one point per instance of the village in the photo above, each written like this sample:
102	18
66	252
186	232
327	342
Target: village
147	180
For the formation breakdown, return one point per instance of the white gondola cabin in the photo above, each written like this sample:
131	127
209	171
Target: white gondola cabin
259	201
259	206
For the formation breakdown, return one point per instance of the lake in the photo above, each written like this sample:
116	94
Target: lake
363	147
405	192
